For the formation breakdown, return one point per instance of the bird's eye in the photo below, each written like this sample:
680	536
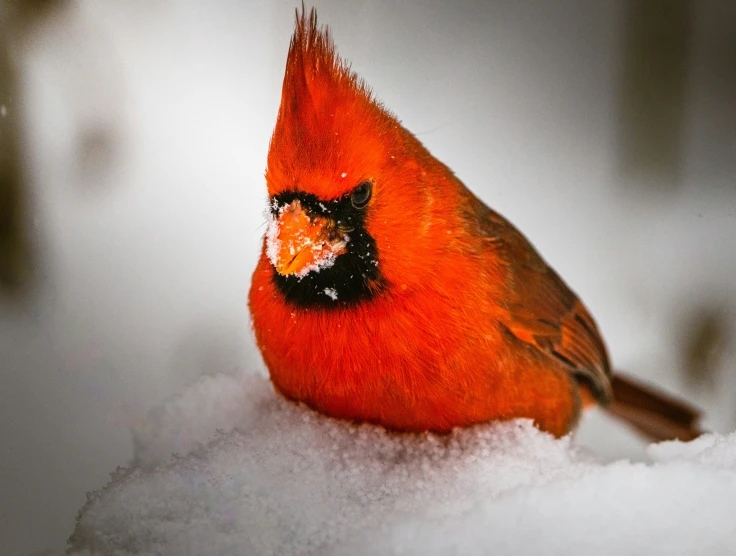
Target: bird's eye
361	195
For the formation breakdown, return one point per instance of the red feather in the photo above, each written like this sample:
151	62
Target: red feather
467	323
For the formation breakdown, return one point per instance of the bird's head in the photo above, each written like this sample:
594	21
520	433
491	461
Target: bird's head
344	181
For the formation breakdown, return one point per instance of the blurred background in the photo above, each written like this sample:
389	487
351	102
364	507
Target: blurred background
133	140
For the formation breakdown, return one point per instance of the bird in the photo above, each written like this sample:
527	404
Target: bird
387	292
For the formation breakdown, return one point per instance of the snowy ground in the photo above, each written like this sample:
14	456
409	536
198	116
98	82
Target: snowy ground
146	244
289	481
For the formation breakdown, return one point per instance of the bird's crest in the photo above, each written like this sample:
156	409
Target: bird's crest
314	71
326	109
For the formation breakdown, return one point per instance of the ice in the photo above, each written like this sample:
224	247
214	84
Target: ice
255	474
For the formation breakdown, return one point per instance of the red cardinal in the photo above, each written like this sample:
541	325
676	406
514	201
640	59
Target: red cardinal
387	292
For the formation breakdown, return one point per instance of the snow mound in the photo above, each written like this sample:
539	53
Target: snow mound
257	475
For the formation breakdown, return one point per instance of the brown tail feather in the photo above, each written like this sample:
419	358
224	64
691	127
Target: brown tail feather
655	415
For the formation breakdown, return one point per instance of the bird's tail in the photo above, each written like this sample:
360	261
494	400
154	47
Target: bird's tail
655	415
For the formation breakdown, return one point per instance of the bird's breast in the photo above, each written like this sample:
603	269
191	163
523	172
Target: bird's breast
407	360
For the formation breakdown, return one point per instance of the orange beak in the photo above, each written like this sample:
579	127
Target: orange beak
298	243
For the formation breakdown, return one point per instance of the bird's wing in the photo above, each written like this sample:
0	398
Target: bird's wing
542	311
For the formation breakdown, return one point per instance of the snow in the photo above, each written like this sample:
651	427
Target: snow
331	293
259	475
273	244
